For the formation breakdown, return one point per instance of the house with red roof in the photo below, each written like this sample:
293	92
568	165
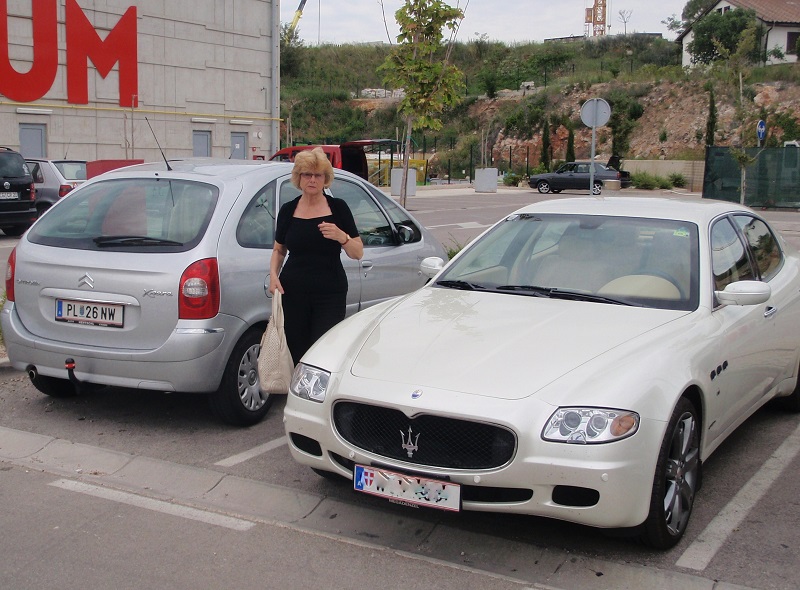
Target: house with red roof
779	18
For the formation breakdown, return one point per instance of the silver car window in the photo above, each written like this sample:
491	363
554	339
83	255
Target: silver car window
763	245
729	259
257	226
373	227
36	172
397	214
166	215
72	170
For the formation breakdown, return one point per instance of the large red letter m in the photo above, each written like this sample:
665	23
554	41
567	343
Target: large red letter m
83	43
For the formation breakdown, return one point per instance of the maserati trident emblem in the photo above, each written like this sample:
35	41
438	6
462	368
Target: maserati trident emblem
409	446
86	281
416	394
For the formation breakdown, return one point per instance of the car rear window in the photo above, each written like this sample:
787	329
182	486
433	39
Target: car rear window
72	170
12	165
142	215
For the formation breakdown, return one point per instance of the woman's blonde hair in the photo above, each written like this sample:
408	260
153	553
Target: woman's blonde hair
312	161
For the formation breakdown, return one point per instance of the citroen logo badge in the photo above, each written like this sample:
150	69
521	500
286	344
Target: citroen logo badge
86	281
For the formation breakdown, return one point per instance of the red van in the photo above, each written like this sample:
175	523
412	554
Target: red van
350	155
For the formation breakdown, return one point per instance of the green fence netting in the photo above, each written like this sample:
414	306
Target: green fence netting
771	180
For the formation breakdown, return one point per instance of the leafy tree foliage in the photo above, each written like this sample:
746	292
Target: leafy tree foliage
420	64
545	158
694	8
711	122
570	155
625	111
291	51
716	33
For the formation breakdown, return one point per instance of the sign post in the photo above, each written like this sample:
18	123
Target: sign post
595	113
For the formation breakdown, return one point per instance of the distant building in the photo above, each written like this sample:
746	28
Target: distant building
78	79
780	19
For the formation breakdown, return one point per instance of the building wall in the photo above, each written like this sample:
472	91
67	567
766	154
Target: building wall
208	65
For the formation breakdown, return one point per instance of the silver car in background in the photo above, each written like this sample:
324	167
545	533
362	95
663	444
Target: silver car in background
54	179
155	277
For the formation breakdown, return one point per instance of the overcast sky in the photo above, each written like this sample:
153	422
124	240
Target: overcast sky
510	21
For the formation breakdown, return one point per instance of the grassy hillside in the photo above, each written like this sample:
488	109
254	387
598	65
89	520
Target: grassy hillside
661	109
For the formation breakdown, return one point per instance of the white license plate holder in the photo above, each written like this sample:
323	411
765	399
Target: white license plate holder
401	488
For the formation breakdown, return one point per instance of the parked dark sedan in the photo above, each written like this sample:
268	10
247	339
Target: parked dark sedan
576	176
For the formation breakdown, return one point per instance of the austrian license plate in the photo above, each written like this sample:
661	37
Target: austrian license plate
409	490
84	312
9	195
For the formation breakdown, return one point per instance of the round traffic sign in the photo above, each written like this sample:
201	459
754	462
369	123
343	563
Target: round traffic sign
761	130
595	112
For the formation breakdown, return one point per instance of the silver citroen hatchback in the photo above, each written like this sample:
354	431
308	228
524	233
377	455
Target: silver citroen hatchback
155	277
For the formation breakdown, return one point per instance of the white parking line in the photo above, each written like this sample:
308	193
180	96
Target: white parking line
700	553
228	522
254	452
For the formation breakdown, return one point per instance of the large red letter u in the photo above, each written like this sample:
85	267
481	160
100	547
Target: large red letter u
37	81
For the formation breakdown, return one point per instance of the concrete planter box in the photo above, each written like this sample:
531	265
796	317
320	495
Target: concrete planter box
396	181
486	180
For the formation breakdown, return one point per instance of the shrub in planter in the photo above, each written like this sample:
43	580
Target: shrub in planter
678	180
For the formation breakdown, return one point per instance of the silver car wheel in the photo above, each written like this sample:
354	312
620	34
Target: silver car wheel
247	382
676	480
681	474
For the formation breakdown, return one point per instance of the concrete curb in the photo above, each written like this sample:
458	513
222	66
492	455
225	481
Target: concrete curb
219	492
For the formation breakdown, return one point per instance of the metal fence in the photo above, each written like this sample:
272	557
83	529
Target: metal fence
771	179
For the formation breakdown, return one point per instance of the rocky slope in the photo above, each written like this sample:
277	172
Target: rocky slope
672	126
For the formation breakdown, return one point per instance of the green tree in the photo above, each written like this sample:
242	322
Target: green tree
420	64
545	159
694	8
291	51
711	122
715	34
625	111
570	155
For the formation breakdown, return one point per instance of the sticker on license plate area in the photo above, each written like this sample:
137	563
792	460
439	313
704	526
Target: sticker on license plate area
94	314
412	490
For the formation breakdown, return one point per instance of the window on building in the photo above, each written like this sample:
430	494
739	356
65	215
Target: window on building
791	42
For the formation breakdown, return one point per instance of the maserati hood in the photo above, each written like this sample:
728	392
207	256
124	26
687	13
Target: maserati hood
494	344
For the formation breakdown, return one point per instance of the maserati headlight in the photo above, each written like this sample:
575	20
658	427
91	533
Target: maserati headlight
590	425
310	383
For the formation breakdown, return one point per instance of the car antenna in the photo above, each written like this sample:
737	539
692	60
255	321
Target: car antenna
66	151
158	144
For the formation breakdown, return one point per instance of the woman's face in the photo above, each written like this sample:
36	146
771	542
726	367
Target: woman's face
312	181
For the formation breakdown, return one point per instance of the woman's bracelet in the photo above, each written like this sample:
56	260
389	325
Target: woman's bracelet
347	240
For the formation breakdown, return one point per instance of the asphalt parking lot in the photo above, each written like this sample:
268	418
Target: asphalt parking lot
151	453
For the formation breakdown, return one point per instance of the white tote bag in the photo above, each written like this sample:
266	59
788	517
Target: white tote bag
275	366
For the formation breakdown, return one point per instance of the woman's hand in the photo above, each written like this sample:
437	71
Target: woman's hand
332	232
275	285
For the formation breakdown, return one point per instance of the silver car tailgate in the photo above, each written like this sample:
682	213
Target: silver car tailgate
118	300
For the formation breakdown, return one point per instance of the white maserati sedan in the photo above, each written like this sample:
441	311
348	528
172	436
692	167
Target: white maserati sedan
580	360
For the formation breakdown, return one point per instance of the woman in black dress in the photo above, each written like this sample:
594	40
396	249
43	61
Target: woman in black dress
313	229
